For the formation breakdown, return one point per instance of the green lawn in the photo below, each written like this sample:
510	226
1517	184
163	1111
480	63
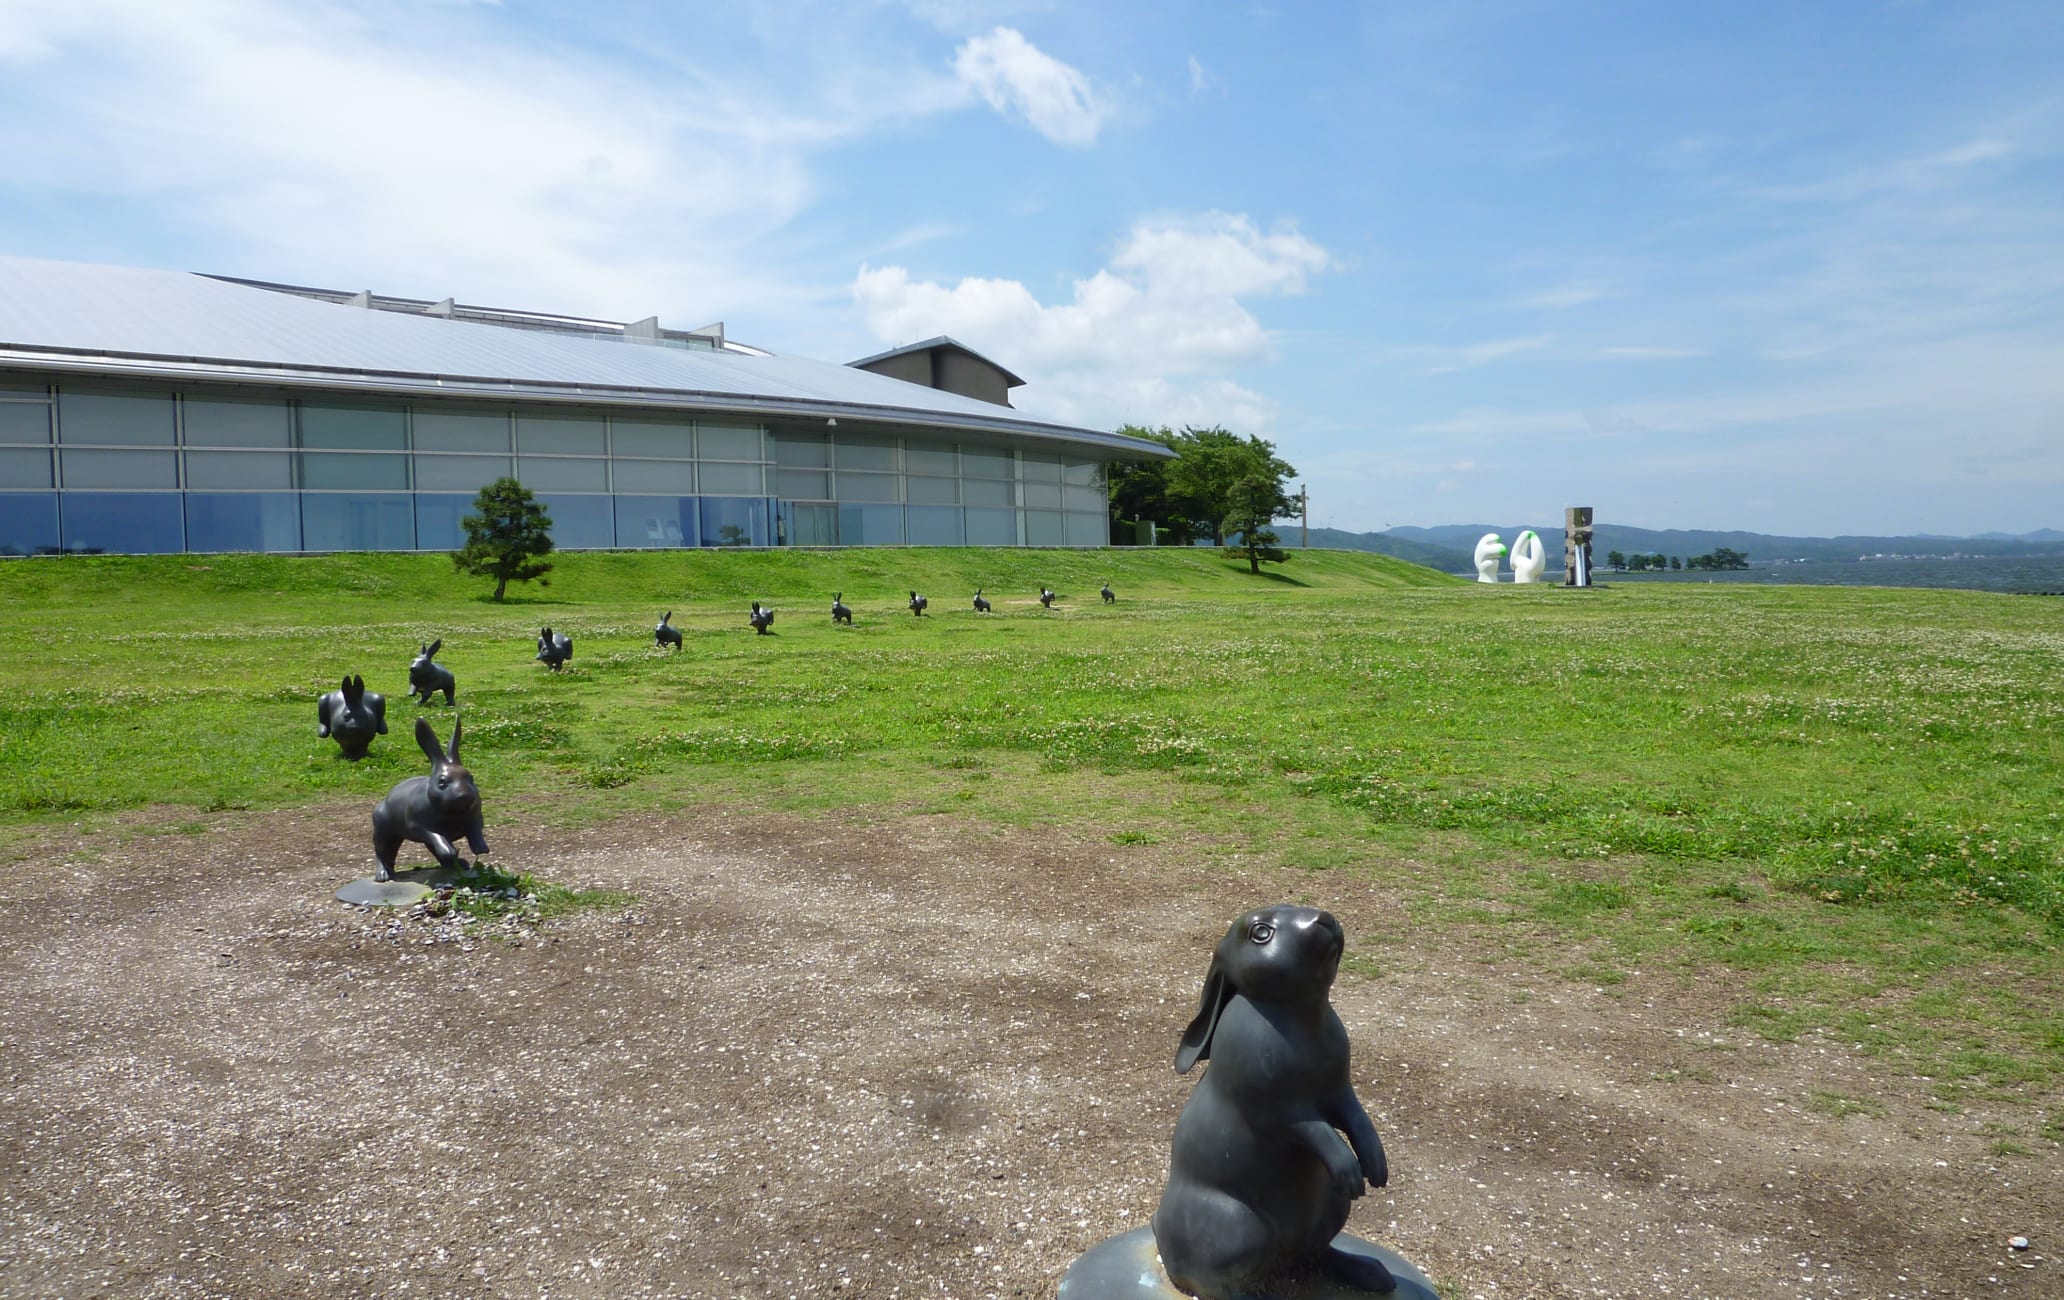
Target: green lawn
1846	799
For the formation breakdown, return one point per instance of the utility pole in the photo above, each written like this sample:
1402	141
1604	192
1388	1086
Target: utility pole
1304	510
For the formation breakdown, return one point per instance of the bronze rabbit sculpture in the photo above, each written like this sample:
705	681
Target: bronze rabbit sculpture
1261	1177
431	810
351	715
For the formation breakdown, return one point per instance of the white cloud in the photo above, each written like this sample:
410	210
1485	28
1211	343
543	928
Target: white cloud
1018	79
1146	340
1448	360
1200	79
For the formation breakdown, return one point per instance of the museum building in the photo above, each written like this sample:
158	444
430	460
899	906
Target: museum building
151	411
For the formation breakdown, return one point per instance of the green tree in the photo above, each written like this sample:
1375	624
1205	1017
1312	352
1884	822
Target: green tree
1616	561
507	536
1257	500
1205	486
1676	563
1139	488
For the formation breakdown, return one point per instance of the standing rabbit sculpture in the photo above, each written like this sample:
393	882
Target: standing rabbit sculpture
1261	1175
554	649
425	678
351	715
760	618
431	810
917	604
840	611
981	602
1110	596
1046	597
666	634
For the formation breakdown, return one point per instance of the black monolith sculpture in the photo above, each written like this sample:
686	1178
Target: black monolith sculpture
1273	1145
431	810
351	715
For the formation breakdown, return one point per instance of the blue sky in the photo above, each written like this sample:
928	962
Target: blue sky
1783	267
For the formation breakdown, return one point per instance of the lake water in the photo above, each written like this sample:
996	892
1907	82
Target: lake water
2028	573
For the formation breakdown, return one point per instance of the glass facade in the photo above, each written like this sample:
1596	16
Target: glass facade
137	470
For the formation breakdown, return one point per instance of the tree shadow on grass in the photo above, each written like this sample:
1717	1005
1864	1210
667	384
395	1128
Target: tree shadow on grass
1268	575
487	598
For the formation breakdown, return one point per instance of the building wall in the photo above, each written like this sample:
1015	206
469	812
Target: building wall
102	468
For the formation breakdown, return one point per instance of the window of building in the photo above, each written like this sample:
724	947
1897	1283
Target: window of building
468	473
122	523
243	521
988	492
656	439
728	441
932	491
870	525
731	479
239	469
83	467
656	475
809	484
562	473
353	472
992	527
561	435
581	523
1044	528
1035	468
985	462
115	419
935	526
867	487
1042	496
25	467
1087	529
24	421
354	428
357	521
442	430
733	521
802	450
865	453
234	422
645	522
930	457
805	524
437	521
28	523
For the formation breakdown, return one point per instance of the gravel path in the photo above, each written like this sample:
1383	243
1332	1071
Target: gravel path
907	1058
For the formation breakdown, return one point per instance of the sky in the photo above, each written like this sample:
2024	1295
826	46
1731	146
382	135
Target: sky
1770	266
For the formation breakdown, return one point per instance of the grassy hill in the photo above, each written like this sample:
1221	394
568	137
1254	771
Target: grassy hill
1846	796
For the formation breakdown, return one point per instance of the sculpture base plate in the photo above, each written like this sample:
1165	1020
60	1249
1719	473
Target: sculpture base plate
407	887
1129	1268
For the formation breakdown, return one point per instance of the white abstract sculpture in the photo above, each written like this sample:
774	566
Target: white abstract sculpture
1529	557
1489	550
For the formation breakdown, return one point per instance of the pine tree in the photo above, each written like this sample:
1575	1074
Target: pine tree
507	536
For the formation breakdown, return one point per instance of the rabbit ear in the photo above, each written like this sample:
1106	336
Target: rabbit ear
453	752
1196	1040
433	647
427	738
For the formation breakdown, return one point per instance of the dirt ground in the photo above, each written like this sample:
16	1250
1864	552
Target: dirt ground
905	1058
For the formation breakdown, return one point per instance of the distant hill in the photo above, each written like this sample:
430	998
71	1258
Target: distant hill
1445	558
1449	547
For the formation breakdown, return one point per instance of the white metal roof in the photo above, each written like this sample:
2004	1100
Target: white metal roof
125	321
